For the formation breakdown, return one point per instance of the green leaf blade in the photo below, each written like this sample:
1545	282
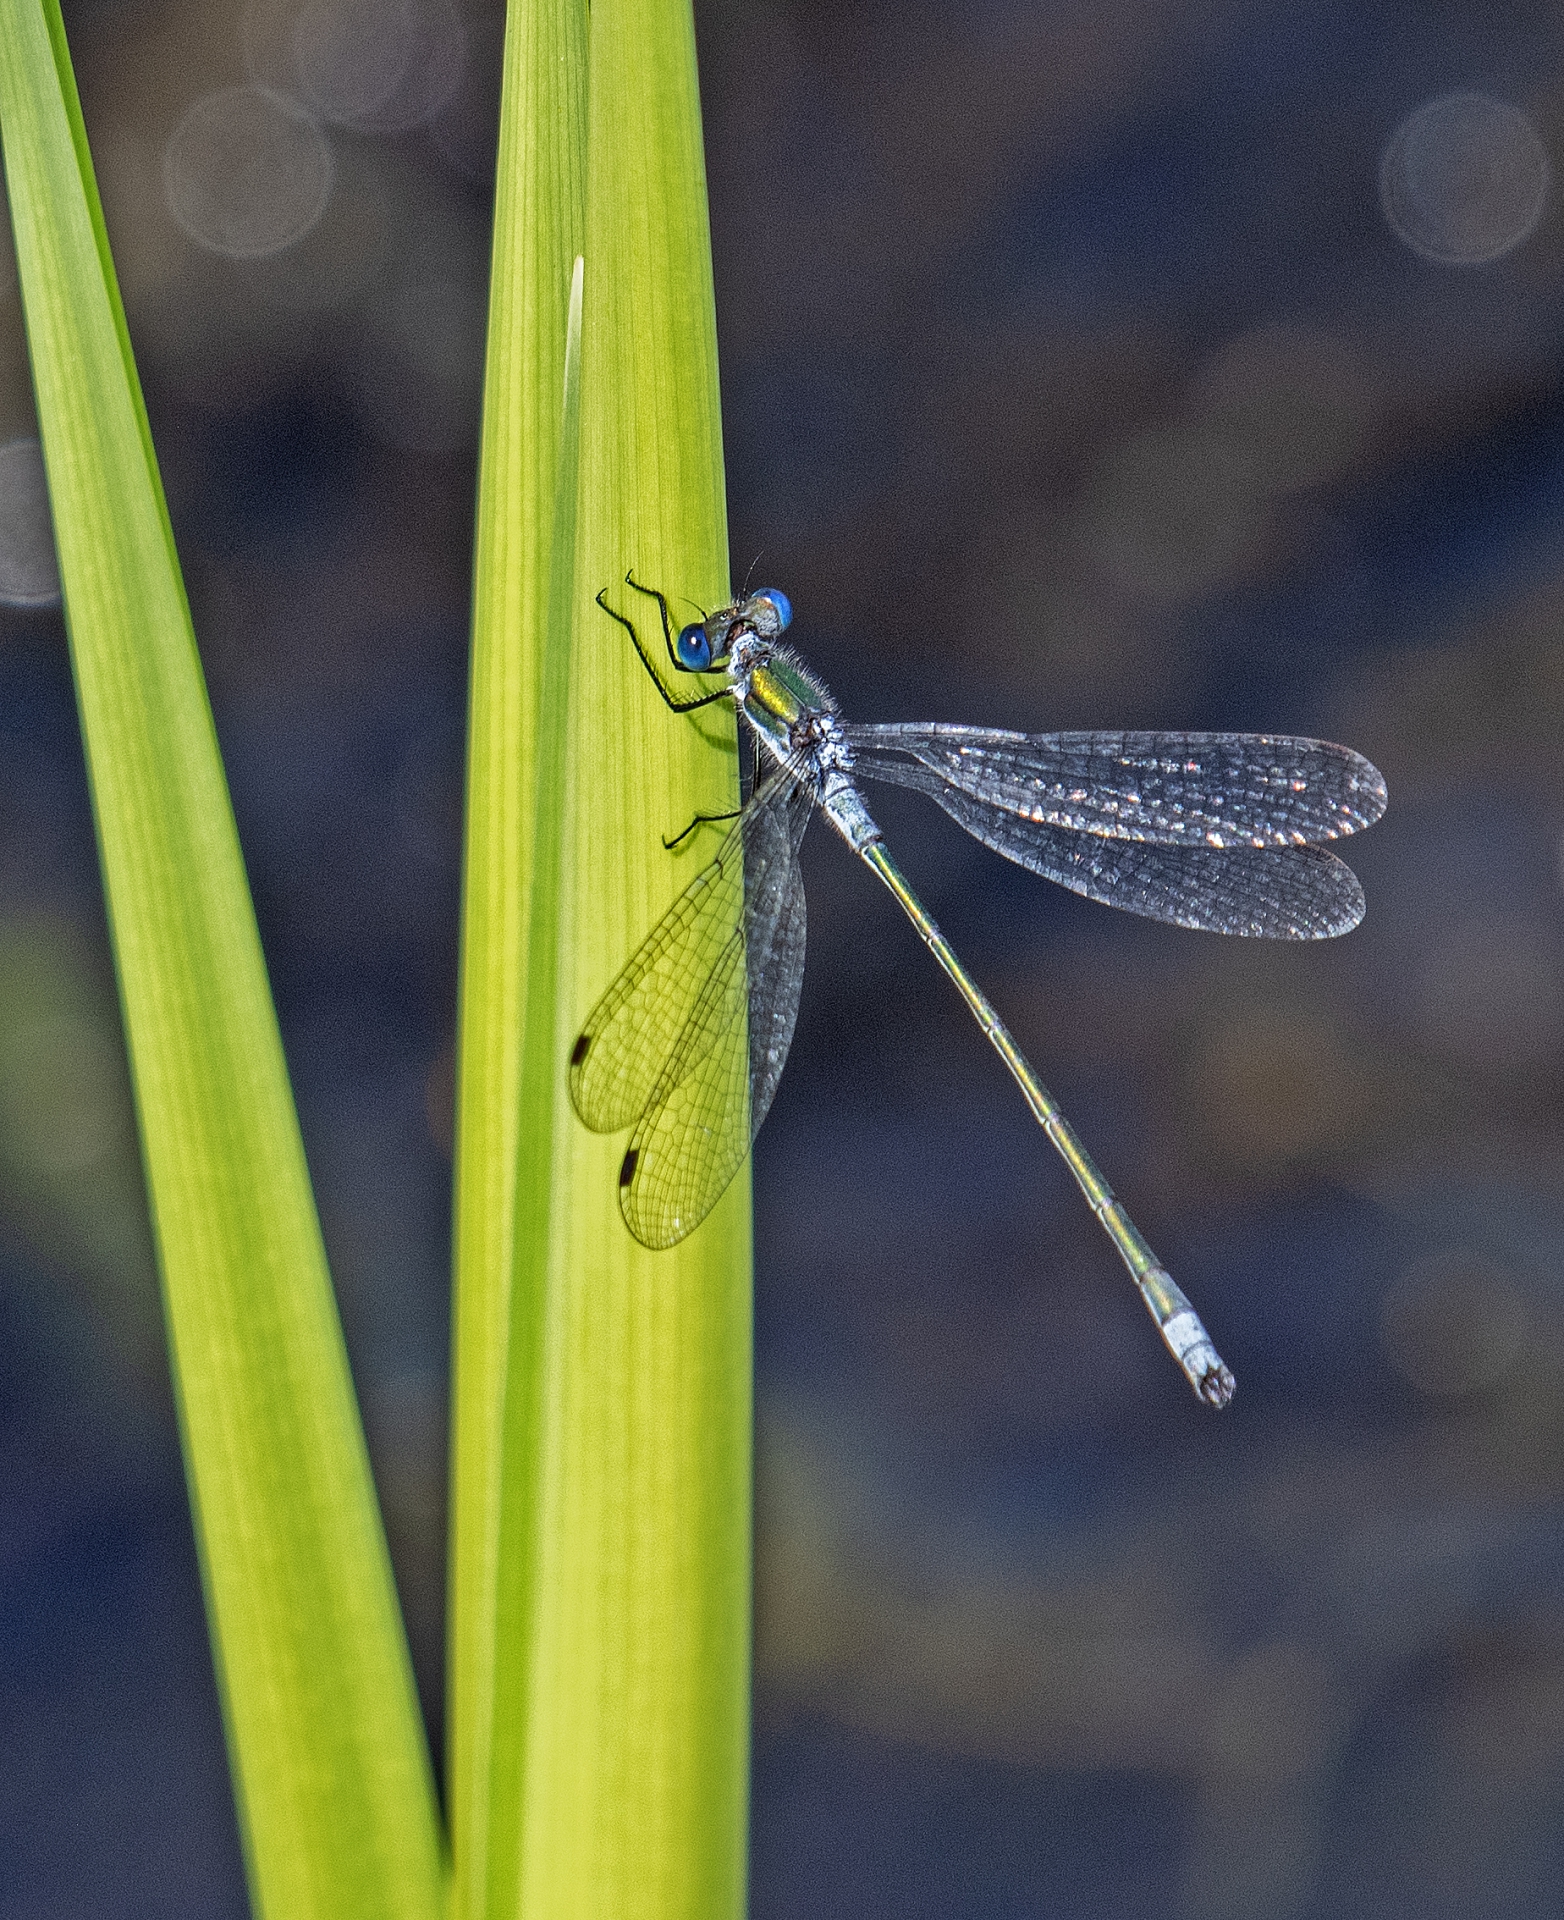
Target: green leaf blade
612	1542
517	739
638	1618
331	1769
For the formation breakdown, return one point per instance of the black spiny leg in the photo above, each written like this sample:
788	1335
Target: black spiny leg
700	820
715	819
662	607
669	700
678	706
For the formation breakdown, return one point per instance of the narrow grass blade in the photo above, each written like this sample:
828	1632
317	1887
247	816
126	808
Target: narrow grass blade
625	1569
518	731
329	1758
518	1541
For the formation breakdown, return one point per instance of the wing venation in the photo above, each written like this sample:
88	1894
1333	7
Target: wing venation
688	1044
1269	893
1173	789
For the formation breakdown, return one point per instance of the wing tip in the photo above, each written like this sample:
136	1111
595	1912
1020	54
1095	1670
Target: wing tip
1333	928
1370	795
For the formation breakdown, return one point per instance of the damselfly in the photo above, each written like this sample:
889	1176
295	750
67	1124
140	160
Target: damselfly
1220	831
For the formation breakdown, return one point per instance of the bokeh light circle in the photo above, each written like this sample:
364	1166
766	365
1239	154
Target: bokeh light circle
1464	179
351	55
29	576
378	66
246	173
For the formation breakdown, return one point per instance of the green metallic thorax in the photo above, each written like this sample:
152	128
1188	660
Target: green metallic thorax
778	693
784	690
772	701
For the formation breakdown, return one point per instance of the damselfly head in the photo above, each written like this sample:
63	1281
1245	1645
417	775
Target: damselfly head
706	644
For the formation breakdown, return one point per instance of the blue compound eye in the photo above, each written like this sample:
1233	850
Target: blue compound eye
693	648
780	601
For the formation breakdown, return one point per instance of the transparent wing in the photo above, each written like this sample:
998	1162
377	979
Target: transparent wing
1172	789
1276	893
775	927
668	1047
695	1132
635	1027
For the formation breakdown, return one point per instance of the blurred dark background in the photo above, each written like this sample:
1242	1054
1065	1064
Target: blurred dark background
1183	363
